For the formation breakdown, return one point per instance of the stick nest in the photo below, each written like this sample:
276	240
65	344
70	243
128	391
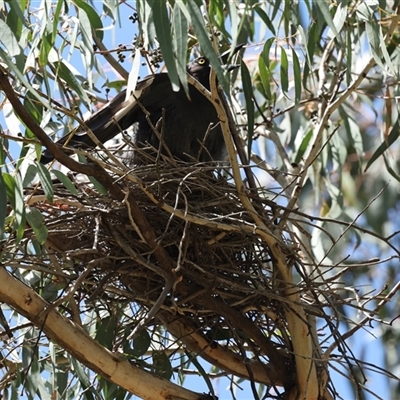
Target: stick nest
198	219
222	282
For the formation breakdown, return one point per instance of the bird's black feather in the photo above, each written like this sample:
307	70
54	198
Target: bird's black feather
189	126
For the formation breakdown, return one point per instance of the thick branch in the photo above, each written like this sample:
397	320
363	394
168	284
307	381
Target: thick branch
100	174
74	339
219	356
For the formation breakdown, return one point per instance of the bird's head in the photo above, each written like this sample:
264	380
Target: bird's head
200	70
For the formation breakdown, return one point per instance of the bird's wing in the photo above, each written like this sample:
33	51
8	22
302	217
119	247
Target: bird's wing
117	115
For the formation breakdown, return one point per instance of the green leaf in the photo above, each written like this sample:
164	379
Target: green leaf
322	6
46	46
339	18
65	73
205	43
234	17
141	344
372	31
9	186
3	204
365	10
263	65
117	85
30	175
248	95
45	180
13	188
285	19
36	221
162	365
65	181
15	18
284	72
393	135
34	108
106	329
97	185
378	46
164	37
265	76
309	49
266	50
390	169
93	17
296	77
87	43
19	207
349	57
9	40
264	17
56	18
303	146
180	43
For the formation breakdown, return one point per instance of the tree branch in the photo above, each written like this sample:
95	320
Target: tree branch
75	340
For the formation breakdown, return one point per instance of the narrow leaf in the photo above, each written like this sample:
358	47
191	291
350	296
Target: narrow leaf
30	175
296	77
164	37
65	74
97	185
65	181
322	6
15	18
303	146
393	135
45	180
19	207
93	17
180	43
264	17
284	72
390	169
36	221
248	94
9	40
265	76
205	43
339	18
3	204
372	30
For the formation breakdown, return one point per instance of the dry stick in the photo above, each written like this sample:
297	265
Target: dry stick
365	320
247	227
327	111
110	59
85	349
92	170
333	106
218	355
307	382
169	279
269	350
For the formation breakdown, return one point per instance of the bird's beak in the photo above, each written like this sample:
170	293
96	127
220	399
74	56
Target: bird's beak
225	56
230	67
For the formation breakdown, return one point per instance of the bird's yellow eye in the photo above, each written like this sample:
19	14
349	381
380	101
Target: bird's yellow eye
201	61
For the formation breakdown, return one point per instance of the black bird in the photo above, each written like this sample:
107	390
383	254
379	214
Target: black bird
187	123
